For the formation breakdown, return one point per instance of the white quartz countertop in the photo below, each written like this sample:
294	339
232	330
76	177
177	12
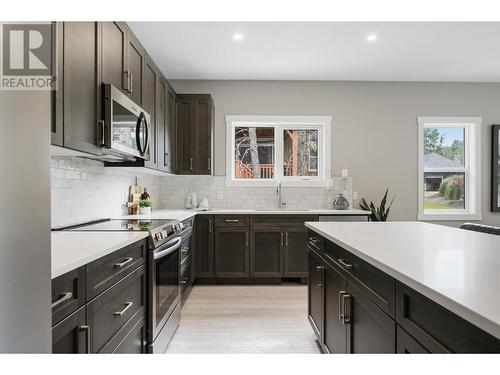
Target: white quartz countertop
456	268
71	250
185	214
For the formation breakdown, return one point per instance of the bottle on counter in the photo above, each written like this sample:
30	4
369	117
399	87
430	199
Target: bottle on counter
145	195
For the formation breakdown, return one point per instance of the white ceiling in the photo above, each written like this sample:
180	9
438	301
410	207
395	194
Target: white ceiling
324	51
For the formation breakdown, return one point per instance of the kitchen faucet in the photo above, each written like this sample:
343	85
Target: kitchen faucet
281	204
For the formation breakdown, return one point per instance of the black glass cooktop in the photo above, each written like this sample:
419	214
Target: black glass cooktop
122	225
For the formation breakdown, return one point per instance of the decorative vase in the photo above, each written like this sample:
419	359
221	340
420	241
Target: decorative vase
340	203
145	211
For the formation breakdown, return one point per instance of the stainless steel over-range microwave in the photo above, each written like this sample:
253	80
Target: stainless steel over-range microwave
126	126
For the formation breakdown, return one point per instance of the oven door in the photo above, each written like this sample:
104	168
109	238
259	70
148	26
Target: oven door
165	283
127	126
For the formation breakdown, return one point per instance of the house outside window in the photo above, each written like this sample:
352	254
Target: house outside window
263	150
449	168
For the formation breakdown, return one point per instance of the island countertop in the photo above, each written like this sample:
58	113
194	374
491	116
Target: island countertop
456	268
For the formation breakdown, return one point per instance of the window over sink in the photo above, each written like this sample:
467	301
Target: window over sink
263	150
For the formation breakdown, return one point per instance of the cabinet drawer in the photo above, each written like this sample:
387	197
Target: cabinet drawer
315	242
111	310
231	220
68	294
281	220
106	271
377	285
405	344
70	336
131	339
438	329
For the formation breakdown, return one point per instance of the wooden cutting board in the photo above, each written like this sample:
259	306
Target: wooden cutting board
134	196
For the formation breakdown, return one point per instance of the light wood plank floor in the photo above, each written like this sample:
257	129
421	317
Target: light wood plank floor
245	319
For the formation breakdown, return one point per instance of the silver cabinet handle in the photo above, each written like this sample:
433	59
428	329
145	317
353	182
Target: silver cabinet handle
126	81
344	264
86	329
246	239
286	239
64	297
209	164
165	159
319	276
131	82
341	313
232	220
128	305
281	239
125	262
209	225
191	164
346	301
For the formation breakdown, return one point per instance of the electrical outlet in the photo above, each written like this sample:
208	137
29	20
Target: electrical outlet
354	195
220	195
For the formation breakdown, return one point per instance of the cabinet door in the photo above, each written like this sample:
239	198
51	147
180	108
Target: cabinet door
203	137
170	130
72	335
80	77
406	344
334	330
150	106
185	135
113	62
161	113
232	252
315	296
266	252
295	264
135	68
371	329
204	246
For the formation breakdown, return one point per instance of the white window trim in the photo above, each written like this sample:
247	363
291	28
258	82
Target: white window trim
472	168
323	123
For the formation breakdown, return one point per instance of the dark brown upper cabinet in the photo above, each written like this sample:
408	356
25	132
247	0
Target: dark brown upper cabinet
76	102
151	106
195	122
166	126
123	60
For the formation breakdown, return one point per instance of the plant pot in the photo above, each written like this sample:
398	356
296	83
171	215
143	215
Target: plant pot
145	211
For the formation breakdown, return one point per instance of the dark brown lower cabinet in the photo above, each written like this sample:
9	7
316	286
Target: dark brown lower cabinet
204	246
72	335
111	322
232	245
315	296
295	253
405	344
371	329
266	252
335	329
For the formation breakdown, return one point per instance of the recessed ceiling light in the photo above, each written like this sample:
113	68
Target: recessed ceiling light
371	38
238	37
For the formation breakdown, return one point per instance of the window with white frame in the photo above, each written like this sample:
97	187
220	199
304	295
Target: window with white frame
449	168
262	150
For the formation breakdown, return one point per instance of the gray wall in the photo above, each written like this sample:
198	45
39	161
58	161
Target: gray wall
25	318
374	131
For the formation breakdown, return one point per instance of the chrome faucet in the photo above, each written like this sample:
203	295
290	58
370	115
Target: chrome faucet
281	204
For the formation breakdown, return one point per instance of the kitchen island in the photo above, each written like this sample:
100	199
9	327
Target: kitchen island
403	287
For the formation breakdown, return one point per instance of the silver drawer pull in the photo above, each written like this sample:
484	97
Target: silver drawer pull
128	305
344	264
125	262
64	297
232	221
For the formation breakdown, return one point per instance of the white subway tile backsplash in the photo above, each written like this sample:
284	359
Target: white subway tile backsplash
83	190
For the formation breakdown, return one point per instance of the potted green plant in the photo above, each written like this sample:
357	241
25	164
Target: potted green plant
379	213
145	206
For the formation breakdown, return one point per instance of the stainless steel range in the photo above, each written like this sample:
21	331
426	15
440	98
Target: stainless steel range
164	276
